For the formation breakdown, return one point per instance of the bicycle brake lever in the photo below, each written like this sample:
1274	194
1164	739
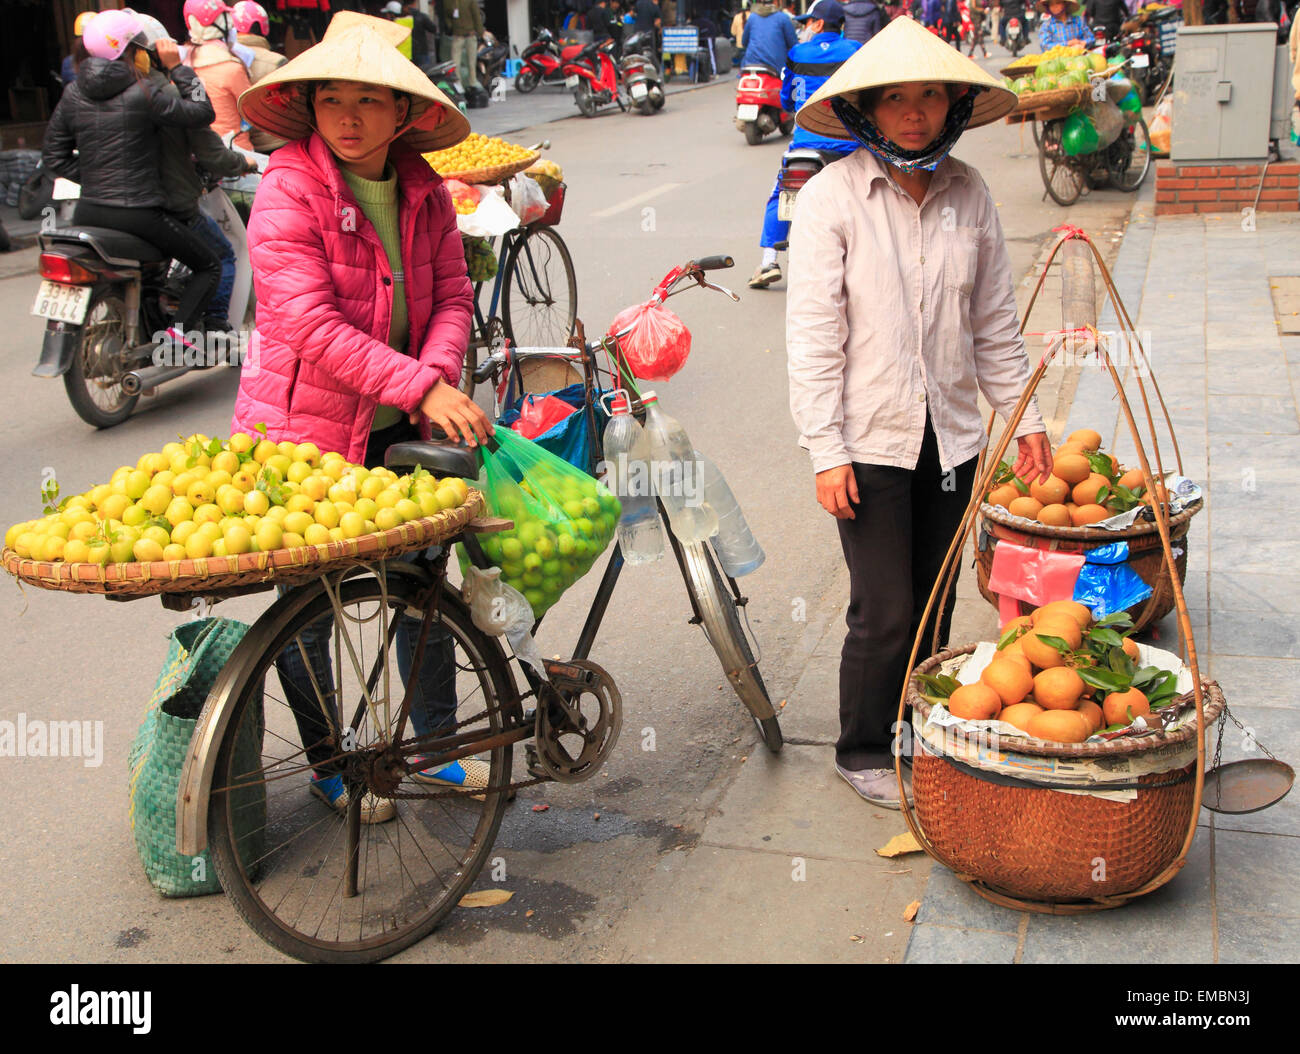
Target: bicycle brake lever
720	289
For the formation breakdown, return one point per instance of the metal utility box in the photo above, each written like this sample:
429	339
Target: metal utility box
1223	92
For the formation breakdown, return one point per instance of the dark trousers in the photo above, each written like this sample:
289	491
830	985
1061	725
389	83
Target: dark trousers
904	521
433	706
174	238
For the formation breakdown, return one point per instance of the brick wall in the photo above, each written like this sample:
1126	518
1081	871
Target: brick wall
1226	188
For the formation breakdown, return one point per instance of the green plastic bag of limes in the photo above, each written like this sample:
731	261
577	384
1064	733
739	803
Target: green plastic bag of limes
563	519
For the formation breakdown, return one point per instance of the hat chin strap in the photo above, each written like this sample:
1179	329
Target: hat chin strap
402	130
866	133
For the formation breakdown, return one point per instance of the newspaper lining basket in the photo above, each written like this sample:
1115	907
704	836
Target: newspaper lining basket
214	574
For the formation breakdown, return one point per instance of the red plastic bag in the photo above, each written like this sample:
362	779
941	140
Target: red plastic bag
657	343
538	416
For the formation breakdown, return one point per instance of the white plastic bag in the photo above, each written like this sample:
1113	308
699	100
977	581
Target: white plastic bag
491	219
527	199
498	609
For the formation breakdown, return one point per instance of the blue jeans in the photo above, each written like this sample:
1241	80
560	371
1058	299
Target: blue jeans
774	230
210	231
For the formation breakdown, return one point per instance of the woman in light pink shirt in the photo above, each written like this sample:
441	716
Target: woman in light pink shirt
900	311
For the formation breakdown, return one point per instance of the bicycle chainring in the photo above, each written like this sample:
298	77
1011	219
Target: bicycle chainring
577	731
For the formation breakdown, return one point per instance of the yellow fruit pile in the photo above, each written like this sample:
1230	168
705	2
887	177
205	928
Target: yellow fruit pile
204	497
1061	51
476	151
1085	487
1036	686
546	168
464	206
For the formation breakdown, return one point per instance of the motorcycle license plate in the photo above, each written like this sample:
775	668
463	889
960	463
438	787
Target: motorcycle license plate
785	205
571	81
1140	62
640	91
747	112
62	303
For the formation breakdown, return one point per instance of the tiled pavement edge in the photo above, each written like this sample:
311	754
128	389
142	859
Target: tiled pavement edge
1198	288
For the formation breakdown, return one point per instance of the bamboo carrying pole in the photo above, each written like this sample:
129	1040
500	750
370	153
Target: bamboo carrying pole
985	471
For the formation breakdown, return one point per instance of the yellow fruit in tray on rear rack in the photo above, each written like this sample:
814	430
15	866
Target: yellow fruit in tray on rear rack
1009	679
1058	688
974	702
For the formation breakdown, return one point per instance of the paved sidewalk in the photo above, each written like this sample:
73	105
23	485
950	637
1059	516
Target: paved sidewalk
1198	287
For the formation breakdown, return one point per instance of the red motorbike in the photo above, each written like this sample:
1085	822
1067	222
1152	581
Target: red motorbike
758	104
593	76
543	62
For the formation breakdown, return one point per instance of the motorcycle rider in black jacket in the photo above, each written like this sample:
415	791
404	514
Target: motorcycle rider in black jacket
1010	9
1109	14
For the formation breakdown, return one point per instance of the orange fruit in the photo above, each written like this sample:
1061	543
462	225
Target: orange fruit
1081	614
1019	715
1004	495
1119	708
1009	679
1014	653
1055	516
1060	624
1040	653
1086	514
974	702
1053	492
1132	479
1092	712
1089	439
1085	493
1059	726
1019	622
1073	468
1130	648
1058	688
1026	507
1070	448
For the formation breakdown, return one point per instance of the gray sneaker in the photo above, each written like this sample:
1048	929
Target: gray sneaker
765	276
878	786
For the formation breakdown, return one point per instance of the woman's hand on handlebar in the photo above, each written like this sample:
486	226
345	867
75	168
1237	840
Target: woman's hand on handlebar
455	413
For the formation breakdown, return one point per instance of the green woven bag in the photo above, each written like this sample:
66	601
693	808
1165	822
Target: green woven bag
196	652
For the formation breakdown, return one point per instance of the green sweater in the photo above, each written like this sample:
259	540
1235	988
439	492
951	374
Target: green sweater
378	200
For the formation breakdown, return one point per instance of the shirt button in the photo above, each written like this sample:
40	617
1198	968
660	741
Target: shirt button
921	398
922	259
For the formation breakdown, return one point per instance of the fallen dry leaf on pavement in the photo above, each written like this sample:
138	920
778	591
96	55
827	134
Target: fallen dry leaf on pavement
899	844
909	912
485	898
540	808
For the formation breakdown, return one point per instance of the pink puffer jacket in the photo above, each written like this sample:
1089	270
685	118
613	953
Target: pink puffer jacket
320	364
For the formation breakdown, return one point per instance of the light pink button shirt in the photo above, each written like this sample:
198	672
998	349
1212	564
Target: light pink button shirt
892	308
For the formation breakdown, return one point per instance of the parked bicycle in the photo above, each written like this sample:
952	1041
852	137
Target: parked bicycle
1122	165
329	890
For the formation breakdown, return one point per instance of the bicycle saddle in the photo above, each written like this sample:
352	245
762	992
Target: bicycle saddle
442	459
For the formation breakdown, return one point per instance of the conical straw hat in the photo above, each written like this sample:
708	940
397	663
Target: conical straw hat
355	48
903	51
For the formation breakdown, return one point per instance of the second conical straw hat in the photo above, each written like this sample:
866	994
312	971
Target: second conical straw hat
354	48
903	51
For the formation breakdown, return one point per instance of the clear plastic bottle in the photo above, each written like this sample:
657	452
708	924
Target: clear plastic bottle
1078	285
627	458
738	551
676	475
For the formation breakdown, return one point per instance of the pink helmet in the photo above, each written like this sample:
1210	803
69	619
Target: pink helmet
248	14
204	12
107	34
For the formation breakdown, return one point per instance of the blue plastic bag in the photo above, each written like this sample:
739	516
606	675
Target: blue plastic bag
1107	583
568	439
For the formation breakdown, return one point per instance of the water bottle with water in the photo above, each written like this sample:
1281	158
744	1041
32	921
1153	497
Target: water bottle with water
676	475
627	458
738	551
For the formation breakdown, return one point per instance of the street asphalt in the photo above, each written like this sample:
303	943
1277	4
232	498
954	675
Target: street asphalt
706	848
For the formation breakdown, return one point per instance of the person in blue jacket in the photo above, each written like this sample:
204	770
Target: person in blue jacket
769	35
806	68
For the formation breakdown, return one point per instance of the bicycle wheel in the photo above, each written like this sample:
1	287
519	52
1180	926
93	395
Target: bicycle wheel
1061	177
1129	157
329	888
539	295
722	626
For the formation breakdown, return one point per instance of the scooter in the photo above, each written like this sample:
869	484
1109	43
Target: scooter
543	62
758	104
109	299
594	78
1015	37
447	80
641	74
491	64
798	166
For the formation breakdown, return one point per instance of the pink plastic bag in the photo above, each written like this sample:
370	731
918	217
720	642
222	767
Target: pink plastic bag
539	414
1036	575
658	342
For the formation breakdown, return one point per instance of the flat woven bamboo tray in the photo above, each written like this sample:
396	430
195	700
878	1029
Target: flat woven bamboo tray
494	173
1051	100
1146	556
1016	72
1055	847
215	574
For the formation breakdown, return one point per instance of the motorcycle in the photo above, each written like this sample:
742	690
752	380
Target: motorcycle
798	166
641	74
491	63
109	300
1015	38
543	62
758	104
594	78
447	80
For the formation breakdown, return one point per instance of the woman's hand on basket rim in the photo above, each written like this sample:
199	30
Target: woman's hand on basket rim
1035	456
836	488
455	413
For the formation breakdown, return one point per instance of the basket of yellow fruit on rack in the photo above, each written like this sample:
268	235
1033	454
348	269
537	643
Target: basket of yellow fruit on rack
1060	766
205	516
480	158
